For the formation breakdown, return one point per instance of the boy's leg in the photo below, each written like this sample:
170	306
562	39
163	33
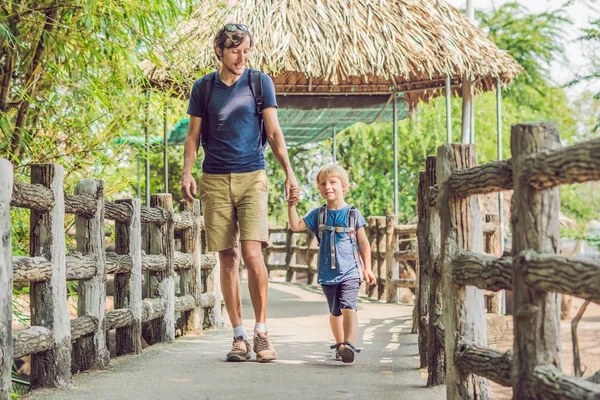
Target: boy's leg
337	328
348	305
350	325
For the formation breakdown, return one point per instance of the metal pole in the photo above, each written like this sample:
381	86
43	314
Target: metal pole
466	89
139	175
472	124
334	146
395	127
166	154
502	296
448	110
147	135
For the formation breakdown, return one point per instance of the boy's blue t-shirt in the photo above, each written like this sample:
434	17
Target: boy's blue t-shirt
346	267
233	143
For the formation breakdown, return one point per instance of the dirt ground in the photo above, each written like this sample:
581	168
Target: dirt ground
589	344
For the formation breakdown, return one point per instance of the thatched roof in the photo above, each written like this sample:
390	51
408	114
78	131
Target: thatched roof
340	46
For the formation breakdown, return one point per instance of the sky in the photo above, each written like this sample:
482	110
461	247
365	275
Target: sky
577	54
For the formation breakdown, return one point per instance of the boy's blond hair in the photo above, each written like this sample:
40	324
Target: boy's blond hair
335	171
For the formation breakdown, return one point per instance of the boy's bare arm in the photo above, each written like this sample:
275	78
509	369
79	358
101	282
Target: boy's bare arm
365	253
296	223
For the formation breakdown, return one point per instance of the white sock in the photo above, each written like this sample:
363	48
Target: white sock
240	331
260	327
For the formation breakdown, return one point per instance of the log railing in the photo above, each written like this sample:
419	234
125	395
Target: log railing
59	346
535	272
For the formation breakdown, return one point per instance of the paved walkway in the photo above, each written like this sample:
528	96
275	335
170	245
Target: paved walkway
195	367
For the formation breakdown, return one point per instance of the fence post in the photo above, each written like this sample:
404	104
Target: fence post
535	227
191	279
492	246
49	299
381	269
392	270
424	266
372	226
436	355
461	228
128	286
162	242
90	351
6	279
311	256
289	237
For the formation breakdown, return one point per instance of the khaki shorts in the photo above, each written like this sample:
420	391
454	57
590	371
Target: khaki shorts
234	208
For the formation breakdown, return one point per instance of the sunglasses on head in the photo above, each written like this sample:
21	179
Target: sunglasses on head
236	27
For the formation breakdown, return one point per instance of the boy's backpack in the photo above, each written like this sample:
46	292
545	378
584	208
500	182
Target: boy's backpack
350	229
255	81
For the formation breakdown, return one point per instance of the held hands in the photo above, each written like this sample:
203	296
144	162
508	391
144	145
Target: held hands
292	191
369	277
188	187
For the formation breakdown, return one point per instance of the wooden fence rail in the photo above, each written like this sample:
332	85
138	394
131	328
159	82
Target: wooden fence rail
59	346
535	272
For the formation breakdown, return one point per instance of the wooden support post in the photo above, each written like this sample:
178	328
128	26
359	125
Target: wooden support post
391	268
535	227
464	315
423	273
90	351
191	279
162	242
51	368
381	270
492	246
436	356
128	286
372	225
6	279
289	243
311	257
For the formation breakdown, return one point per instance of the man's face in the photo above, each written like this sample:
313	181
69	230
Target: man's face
235	59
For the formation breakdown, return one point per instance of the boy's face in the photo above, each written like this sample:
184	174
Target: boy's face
236	58
331	188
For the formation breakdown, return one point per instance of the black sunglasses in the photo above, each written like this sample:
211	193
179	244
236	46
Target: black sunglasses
236	27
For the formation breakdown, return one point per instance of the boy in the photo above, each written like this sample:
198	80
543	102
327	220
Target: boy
339	261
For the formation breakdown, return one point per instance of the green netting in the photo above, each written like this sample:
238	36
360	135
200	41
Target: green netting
303	126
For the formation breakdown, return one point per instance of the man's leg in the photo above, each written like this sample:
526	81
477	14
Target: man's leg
230	284
258	278
232	294
258	285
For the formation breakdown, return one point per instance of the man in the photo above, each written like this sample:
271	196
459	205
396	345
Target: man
233	186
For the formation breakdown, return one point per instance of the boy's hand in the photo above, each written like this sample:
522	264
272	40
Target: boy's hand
369	277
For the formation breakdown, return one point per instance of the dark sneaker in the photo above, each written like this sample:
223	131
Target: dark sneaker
347	352
240	350
263	348
337	356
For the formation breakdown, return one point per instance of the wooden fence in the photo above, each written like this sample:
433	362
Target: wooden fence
391	244
535	273
60	346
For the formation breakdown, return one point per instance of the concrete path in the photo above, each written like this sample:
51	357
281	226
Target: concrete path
195	367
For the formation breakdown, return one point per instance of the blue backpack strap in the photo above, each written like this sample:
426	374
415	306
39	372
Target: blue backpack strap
322	220
256	86
206	86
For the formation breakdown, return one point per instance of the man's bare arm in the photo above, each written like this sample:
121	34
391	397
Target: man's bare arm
190	152
277	143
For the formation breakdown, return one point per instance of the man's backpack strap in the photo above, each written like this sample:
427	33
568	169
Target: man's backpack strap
206	86
256	86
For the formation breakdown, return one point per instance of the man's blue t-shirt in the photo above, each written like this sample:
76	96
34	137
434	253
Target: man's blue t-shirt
233	143
345	263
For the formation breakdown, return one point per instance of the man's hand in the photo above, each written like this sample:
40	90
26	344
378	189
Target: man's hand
188	187
369	276
292	190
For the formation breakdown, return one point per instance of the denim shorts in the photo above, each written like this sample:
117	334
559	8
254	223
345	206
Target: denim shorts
344	295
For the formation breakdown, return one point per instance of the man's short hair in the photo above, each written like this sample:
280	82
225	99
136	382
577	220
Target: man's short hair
230	36
335	171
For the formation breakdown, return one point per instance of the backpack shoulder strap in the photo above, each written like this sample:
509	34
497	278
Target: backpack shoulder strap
322	220
256	86
206	86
